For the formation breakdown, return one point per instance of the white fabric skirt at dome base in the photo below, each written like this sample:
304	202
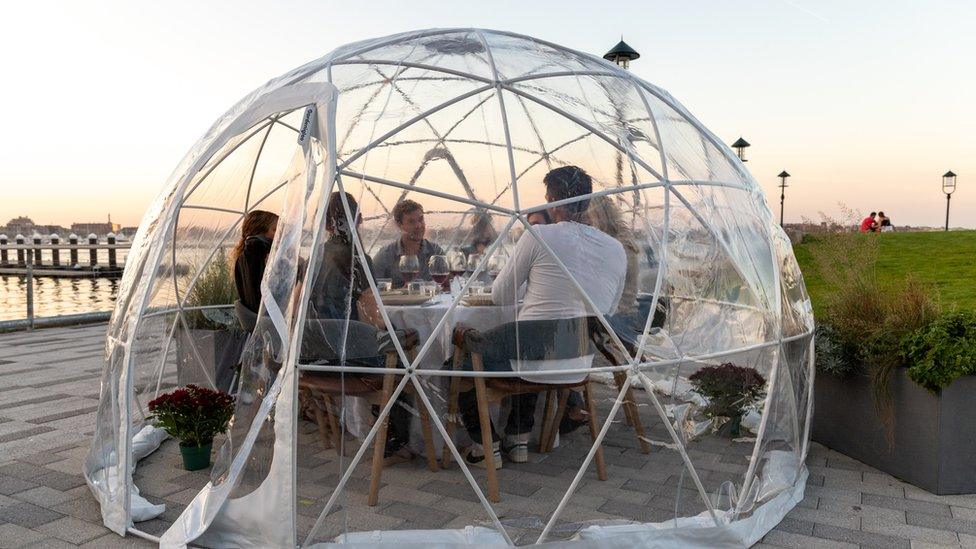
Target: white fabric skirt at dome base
467	123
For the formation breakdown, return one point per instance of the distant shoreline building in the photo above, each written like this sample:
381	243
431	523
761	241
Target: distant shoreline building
24	225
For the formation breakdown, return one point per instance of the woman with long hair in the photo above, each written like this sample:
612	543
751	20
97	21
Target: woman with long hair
604	215
250	255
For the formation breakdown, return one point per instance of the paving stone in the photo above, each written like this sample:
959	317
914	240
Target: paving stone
27	515
73	530
779	538
941	523
864	539
795	526
964	513
967	541
43	496
913	533
83	508
21	470
13	535
928	507
423	517
60	481
114	541
12	485
894	516
444	488
842	520
50	543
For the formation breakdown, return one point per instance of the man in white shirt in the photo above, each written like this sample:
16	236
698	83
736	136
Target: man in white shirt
594	259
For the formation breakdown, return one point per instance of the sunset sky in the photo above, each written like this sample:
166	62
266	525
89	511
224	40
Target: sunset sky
866	103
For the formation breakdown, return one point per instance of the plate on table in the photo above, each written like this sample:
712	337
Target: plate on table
404	299
477	300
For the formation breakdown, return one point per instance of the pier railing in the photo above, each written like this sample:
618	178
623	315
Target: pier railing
34	257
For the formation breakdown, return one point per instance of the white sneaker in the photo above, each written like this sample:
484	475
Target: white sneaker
474	455
516	448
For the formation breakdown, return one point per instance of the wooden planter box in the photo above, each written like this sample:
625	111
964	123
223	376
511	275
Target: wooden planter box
220	351
934	444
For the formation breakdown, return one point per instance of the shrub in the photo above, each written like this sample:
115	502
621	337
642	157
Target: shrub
869	321
215	286
193	414
942	351
730	389
833	357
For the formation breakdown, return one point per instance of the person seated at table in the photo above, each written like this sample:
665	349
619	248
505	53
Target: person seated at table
342	284
250	255
341	278
409	218
595	260
481	236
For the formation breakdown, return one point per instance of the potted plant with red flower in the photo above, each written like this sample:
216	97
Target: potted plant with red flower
730	390
193	415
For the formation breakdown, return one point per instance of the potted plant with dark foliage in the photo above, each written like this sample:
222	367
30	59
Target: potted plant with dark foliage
194	416
730	391
210	347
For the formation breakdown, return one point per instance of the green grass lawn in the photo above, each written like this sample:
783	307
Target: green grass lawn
946	260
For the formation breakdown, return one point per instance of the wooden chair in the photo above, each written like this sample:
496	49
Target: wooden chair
321	390
494	390
603	343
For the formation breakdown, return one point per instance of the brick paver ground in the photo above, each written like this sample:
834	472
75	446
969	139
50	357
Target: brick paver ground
49	390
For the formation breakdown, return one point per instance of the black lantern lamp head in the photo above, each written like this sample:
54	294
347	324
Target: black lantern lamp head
949	182
783	175
740	148
621	55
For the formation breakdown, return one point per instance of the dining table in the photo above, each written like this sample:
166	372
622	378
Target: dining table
426	318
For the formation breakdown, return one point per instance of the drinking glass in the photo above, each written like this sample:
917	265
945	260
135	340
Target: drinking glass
472	264
409	267
440	270
384	284
457	262
495	264
415	288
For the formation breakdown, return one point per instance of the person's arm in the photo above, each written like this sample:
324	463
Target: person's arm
515	272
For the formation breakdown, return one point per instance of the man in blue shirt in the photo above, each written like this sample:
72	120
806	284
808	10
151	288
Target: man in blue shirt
409	217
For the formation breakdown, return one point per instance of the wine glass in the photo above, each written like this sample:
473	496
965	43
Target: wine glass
409	267
472	264
495	264
440	270
457	262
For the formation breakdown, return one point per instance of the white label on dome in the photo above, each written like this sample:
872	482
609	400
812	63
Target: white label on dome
306	128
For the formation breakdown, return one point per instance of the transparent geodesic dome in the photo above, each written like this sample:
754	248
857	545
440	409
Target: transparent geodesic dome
676	269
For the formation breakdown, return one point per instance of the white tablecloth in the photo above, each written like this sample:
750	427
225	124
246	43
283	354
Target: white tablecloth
424	319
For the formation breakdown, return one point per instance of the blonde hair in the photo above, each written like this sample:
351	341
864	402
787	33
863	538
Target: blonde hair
604	215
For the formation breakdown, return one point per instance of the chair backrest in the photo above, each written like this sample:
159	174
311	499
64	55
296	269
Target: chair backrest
247	318
551	339
323	340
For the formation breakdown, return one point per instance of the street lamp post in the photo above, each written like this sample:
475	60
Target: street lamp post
740	148
948	187
782	193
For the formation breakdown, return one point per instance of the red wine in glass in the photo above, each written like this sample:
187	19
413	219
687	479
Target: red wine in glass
408	276
440	278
